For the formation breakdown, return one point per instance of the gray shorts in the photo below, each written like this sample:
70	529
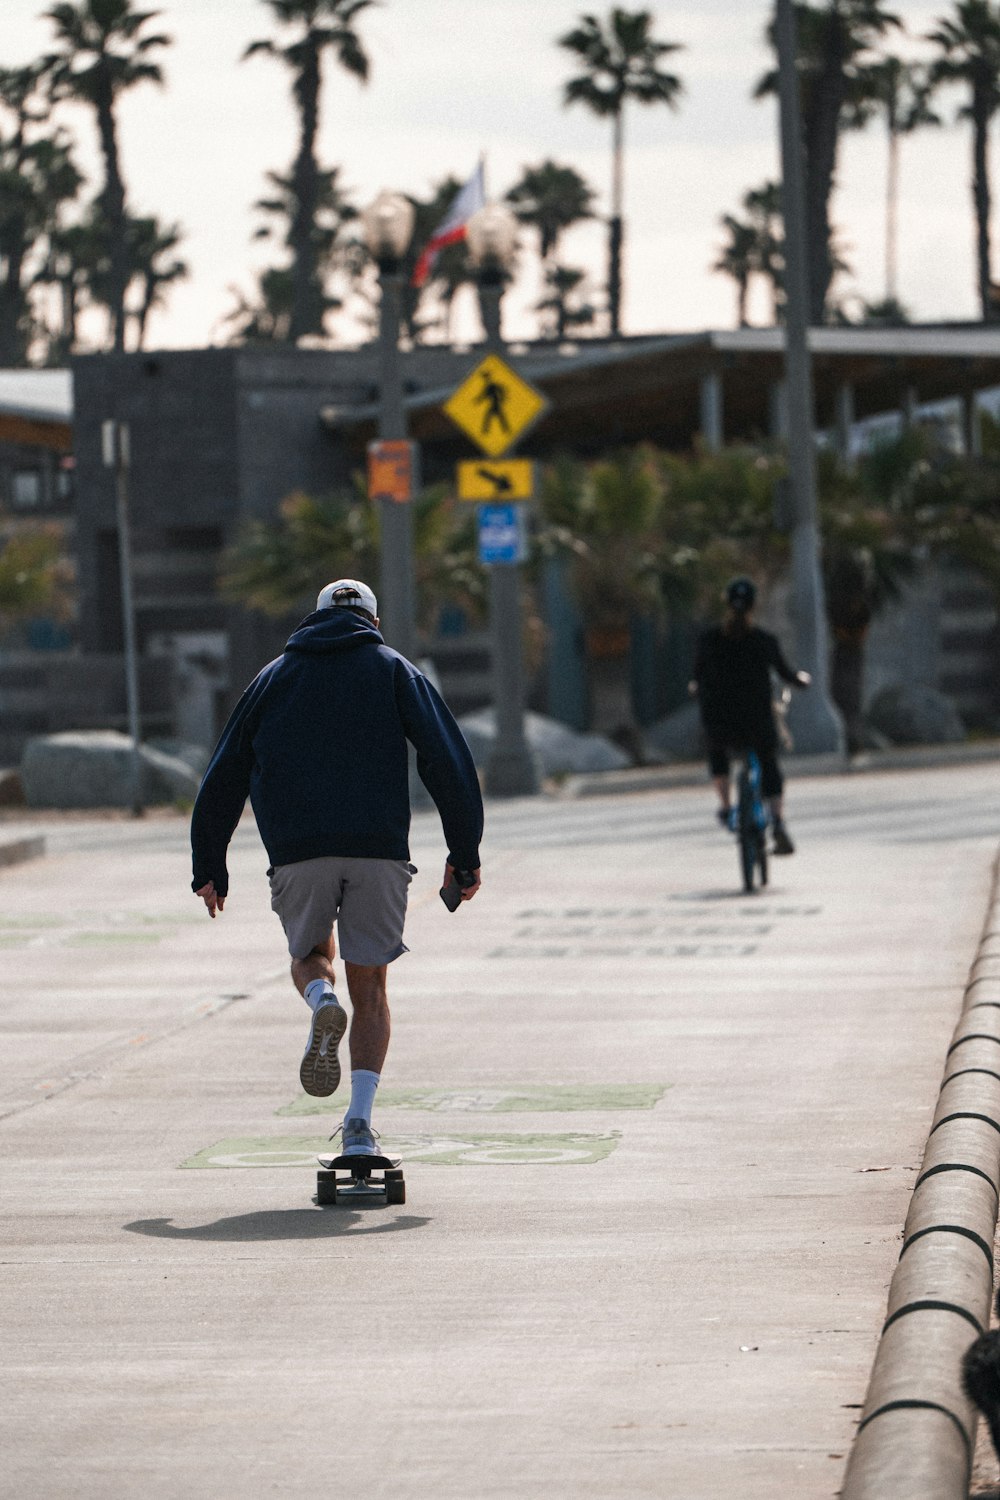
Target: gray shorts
365	897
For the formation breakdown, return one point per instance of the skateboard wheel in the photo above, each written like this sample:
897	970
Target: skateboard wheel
326	1188
395	1189
393	1174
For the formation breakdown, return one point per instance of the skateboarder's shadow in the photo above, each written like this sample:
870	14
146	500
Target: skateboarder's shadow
286	1224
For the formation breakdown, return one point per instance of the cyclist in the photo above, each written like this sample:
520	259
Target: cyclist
732	677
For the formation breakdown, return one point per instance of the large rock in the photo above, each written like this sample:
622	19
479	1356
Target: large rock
93	768
679	736
561	750
195	757
913	714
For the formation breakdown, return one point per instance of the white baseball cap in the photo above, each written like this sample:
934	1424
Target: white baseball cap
348	593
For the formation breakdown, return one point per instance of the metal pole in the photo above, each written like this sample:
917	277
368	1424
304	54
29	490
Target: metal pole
816	724
512	769
122	458
397	604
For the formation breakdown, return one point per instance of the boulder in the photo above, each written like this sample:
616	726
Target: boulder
561	750
93	768
914	714
678	736
195	757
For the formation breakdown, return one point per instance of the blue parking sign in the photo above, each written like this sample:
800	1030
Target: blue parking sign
501	534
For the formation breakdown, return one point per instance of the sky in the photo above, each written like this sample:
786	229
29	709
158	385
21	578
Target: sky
454	79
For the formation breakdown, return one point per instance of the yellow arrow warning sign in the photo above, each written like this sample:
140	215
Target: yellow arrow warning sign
494	406
492	481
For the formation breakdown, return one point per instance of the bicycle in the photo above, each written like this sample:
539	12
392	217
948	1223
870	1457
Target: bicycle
749	819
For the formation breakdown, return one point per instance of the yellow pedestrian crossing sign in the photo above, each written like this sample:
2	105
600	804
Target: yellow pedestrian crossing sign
496	480
494	406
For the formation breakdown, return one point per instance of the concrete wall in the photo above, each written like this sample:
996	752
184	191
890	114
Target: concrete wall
45	692
942	632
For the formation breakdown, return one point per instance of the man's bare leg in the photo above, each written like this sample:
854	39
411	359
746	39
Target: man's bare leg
369	1044
371	1024
316	965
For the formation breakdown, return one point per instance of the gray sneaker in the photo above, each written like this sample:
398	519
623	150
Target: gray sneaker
319	1072
358	1138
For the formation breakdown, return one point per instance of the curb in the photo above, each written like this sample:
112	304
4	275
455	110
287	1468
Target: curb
16	851
695	773
918	1430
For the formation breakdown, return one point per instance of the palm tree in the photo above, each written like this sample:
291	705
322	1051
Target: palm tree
273	564
332	212
37	178
562	285
969	46
621	63
889	313
75	265
755	247
738	260
266	319
598	526
102	53
765	215
836	57
154	267
322	26
901	90
551	199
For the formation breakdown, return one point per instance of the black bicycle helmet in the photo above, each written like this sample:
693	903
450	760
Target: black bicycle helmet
740	594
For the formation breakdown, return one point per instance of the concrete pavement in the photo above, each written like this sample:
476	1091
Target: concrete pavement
660	1141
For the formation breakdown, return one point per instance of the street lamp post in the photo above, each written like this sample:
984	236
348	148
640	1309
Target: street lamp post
387	226
116	451
512	769
816	723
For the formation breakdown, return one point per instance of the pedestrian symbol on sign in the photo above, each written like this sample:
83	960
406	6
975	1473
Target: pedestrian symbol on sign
493	396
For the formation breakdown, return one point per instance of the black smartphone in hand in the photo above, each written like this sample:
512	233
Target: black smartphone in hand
451	894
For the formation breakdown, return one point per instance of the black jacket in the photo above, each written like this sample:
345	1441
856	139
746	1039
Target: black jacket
319	743
733	673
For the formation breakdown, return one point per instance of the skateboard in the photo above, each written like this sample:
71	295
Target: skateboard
354	1179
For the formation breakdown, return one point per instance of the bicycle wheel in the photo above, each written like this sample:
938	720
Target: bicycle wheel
762	855
746	831
748	857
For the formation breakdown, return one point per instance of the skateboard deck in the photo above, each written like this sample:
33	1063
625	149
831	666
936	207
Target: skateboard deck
353	1179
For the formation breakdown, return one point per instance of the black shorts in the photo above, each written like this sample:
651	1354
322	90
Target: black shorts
720	759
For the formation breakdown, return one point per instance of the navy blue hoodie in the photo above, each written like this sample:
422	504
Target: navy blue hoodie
318	742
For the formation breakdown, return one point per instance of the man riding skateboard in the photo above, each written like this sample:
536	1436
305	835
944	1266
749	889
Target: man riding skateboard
318	742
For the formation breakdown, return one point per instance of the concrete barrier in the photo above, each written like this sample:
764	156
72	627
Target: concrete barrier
917	1431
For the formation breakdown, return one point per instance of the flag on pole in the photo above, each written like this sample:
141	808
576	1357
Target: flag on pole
452	227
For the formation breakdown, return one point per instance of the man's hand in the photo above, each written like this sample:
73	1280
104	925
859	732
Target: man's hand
470	890
211	898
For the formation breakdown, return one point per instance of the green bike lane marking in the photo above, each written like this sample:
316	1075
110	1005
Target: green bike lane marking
86	929
485	1100
457	1150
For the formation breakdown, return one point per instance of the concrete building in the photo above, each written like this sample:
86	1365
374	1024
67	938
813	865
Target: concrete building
221	436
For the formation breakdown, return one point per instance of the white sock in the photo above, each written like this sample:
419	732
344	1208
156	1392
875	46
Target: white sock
363	1086
319	992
